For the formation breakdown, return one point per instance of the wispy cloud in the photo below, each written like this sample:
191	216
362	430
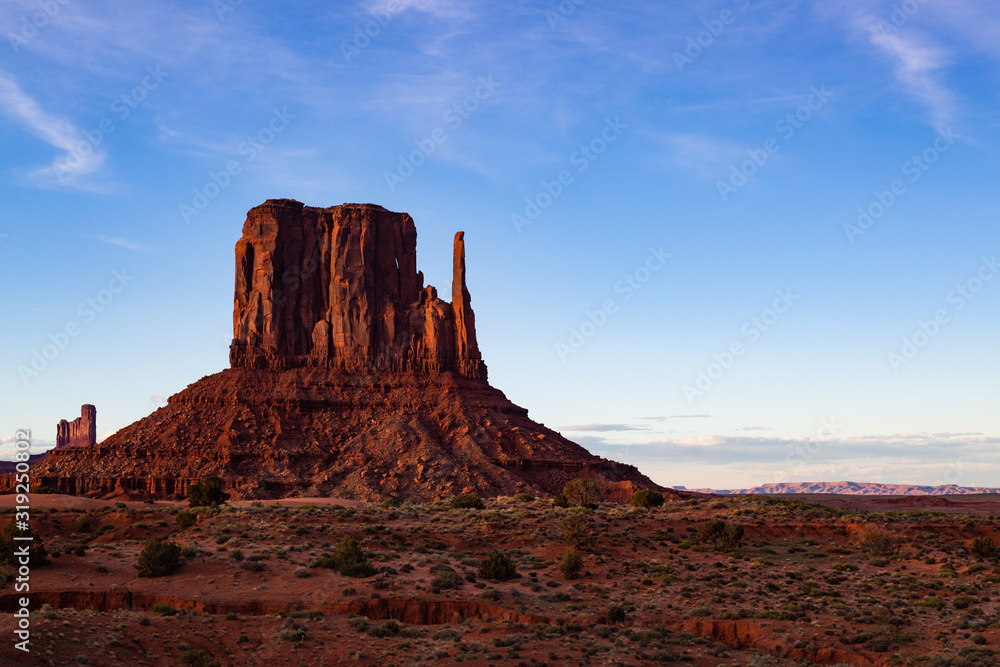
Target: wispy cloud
917	67
70	166
123	243
602	427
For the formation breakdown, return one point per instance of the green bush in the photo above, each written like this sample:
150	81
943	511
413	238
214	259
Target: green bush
498	567
582	491
615	614
37	556
158	558
186	519
523	497
207	492
83	524
467	501
45	490
983	547
559	500
572	564
389	503
163	609
644	498
577	532
198	659
877	541
348	559
721	534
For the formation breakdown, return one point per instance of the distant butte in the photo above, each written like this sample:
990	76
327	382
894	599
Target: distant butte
349	378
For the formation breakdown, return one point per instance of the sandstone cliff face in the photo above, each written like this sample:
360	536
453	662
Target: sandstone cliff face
339	288
349	378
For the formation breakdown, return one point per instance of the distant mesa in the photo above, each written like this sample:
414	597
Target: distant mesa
349	378
81	432
855	488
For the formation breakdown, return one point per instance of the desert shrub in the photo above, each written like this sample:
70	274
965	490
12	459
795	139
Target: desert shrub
186	519
572	564
721	534
163	609
983	546
301	572
198	659
42	489
236	554
467	501
559	500
9	547
444	577
387	629
932	603
252	566
389	504
207	492
158	558
497	566
348	559
83	524
523	497
644	498
877	541
964	601
292	631
576	531
446	633
582	491
232	616
614	614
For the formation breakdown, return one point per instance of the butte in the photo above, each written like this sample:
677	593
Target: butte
348	378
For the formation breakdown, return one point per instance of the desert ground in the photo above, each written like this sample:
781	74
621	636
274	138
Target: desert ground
859	581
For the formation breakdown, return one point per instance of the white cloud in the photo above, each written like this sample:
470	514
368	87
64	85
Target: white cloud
918	67
68	168
123	243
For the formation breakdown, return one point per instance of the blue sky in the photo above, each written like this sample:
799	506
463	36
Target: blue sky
731	242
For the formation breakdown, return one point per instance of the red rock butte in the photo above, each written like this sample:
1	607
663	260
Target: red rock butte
349	378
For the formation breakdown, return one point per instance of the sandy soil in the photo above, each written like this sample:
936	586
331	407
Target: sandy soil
251	591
